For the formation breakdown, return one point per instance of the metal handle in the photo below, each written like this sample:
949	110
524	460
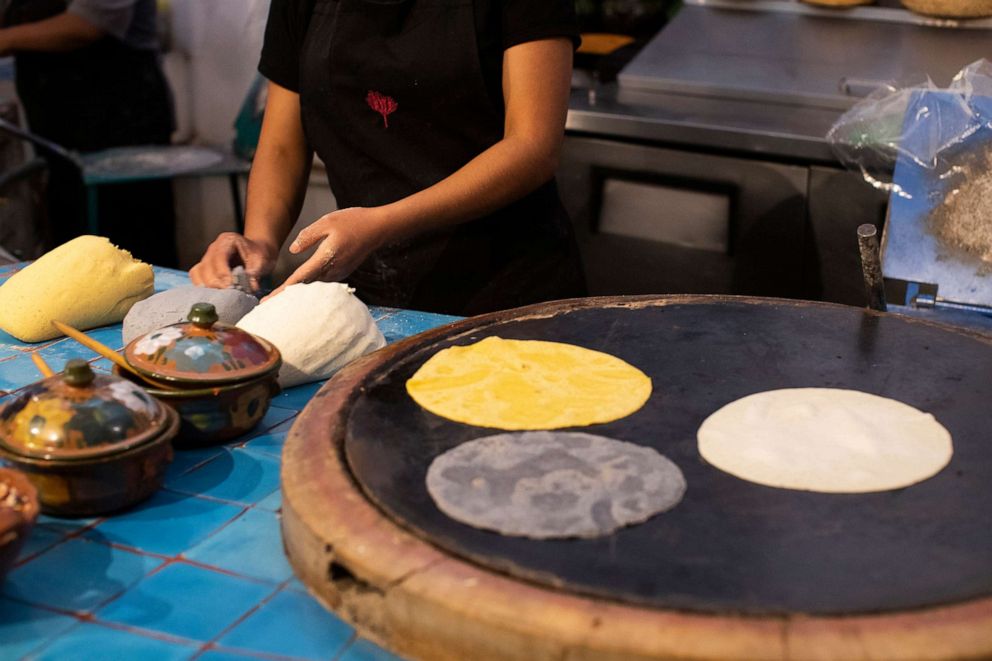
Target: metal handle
871	266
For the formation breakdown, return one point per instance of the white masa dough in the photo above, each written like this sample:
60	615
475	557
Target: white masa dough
318	328
86	283
825	439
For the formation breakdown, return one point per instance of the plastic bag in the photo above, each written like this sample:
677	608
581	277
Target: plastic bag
918	126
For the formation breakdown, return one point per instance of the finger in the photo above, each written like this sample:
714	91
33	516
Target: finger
217	262
312	269
309	236
195	277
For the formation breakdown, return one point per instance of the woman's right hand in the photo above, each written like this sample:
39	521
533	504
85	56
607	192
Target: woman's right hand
227	251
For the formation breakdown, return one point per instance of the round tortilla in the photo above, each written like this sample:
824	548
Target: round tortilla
528	384
548	485
825	439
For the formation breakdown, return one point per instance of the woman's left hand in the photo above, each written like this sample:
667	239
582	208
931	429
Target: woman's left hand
346	237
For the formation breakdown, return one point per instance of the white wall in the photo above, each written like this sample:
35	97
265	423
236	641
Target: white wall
215	45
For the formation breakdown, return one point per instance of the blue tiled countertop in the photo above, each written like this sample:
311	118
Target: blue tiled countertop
197	571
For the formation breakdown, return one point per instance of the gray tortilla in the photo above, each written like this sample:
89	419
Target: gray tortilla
172	306
547	485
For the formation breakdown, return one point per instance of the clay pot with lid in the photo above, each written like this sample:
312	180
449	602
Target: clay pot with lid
224	377
89	443
18	512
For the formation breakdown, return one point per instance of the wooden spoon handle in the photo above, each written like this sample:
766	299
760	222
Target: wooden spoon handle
108	353
42	366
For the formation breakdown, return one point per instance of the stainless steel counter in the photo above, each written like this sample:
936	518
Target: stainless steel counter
761	129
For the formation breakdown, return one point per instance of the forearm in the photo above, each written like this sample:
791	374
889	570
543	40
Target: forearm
279	174
276	189
502	174
64	32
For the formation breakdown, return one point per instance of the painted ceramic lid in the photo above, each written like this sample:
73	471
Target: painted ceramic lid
79	415
202	351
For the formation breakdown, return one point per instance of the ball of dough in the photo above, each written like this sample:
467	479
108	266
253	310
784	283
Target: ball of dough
318	327
172	306
87	282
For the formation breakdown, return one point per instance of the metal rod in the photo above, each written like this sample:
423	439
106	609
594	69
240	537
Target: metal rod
871	266
41	143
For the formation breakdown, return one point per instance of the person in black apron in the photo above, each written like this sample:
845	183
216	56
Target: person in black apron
439	122
89	78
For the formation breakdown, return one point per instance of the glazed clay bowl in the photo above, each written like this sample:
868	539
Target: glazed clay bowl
89	443
209	416
101	484
18	512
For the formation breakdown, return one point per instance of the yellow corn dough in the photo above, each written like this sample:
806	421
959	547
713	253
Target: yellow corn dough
528	384
85	283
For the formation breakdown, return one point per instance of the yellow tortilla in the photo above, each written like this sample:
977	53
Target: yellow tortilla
528	384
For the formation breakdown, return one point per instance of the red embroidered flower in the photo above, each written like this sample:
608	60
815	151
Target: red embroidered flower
382	104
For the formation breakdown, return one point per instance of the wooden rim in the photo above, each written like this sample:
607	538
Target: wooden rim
425	603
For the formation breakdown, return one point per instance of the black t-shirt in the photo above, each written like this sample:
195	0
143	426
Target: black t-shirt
520	254
500	24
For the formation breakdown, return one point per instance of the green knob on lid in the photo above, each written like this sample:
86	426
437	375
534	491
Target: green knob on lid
78	373
203	315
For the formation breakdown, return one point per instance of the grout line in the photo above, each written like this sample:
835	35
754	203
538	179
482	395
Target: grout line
251	611
347	646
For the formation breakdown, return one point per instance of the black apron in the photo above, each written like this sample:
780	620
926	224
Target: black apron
393	101
100	96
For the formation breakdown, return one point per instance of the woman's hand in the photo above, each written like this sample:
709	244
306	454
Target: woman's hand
346	238
228	250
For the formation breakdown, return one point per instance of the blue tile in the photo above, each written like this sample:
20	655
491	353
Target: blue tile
225	655
295	585
186	601
166	524
58	354
65	526
297	397
104	365
78	575
17	372
40	539
169	278
239	476
112	336
269	444
272	502
274	417
379	312
185	460
364	650
251	545
8	350
24	628
275	629
93	641
405	324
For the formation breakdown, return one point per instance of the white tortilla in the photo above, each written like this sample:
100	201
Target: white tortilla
825	439
547	485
